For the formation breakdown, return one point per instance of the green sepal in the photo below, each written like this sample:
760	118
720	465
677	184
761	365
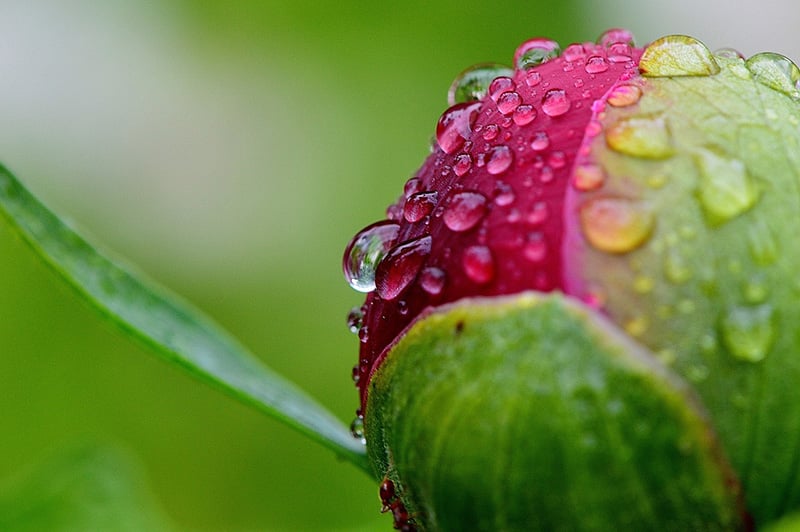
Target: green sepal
532	412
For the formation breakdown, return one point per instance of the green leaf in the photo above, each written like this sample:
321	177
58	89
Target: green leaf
177	332
85	488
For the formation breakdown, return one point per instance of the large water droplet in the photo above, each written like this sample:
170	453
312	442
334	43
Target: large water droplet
419	205
508	101
616	36
464	210
748	332
365	251
677	55
775	71
500	160
401	266
524	115
478	264
432	280
726	189
472	84
462	164
455	126
534	52
555	102
640	136
500	85
624	95
357	429
574	52
616	225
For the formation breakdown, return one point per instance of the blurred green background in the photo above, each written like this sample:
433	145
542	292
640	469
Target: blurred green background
230	150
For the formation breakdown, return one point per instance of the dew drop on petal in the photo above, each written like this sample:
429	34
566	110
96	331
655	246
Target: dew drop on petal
616	225
574	52
365	252
588	176
775	71
478	264
500	160
534	52
455	126
401	266
726	189
615	36
464	210
624	95
533	78
419	205
500	85
596	65
540	141
555	102
535	249
748	332
538	214
508	102
472	84
524	115
432	280
677	55
504	194
490	131
355	319
646	137
462	164
557	160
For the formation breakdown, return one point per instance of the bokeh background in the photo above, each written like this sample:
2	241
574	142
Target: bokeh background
230	150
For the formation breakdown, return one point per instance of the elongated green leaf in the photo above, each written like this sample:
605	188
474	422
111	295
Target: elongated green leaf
176	331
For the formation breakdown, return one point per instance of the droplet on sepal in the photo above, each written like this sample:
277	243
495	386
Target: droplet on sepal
775	71
726	189
641	136
748	332
677	55
616	225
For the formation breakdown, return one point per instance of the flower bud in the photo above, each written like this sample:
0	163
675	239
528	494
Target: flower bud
579	312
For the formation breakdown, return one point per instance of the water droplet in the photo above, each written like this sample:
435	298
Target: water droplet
614	36
534	52
624	95
677	55
538	214
419	205
725	190
500	85
540	141
504	194
432	280
676	270
555	102
728	53
357	429
574	52
697	372
619	53
596	64
616	225
355	319
636	326
557	160
546	175
490	132
462	164
401	266
363	334
761	242
412	186
755	291
748	332
646	137
507	102
365	252
455	126
643	284
464	210
472	84
775	71
500	160
478	264
524	115
533	78
588	176
535	249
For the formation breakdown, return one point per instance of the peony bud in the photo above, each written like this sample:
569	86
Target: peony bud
579	311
